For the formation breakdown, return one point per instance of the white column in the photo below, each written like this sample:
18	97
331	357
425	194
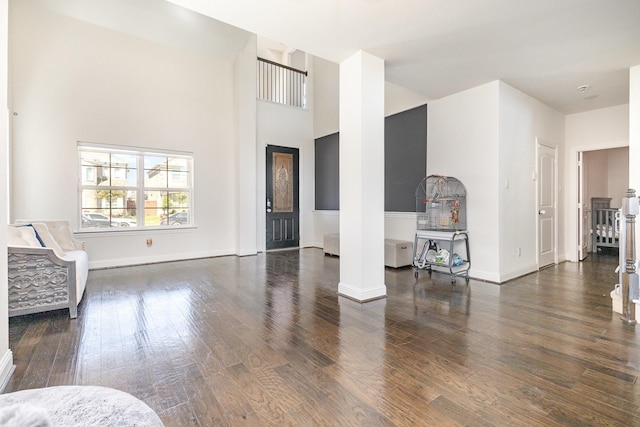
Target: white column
362	178
246	131
634	136
6	356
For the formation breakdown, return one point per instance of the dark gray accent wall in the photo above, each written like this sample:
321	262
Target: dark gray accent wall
405	162
328	172
405	158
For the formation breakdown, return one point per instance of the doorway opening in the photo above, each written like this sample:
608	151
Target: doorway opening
602	174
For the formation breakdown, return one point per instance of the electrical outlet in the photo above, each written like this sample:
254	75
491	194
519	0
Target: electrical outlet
519	251
149	242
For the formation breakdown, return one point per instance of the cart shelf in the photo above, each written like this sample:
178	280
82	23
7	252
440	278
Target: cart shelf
452	241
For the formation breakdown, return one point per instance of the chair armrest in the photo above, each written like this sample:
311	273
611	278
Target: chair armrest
79	245
40	281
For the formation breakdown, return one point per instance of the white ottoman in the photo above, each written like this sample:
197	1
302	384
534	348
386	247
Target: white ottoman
398	253
331	244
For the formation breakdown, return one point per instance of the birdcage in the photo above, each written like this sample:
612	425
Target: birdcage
441	204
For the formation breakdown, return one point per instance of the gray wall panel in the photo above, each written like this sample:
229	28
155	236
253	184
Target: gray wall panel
405	158
405	162
328	172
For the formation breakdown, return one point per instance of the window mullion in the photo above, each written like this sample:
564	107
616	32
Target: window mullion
140	210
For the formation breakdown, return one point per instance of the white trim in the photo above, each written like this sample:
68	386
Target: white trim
129	231
336	212
401	215
123	262
518	272
488	276
6	369
327	212
132	149
362	295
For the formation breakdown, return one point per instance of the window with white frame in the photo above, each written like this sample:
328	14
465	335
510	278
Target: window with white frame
127	187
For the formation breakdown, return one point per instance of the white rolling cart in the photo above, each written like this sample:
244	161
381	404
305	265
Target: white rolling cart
455	242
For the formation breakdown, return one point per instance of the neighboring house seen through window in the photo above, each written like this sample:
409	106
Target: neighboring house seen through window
128	187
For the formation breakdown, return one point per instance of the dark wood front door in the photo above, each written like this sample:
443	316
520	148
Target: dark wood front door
282	205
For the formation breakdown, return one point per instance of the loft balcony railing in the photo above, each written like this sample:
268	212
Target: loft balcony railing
281	84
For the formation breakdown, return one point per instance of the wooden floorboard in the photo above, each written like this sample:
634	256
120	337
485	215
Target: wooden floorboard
266	340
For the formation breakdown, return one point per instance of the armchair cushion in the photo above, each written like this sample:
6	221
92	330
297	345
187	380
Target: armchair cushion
61	232
24	237
46	239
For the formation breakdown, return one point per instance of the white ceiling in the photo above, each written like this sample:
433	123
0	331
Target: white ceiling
546	48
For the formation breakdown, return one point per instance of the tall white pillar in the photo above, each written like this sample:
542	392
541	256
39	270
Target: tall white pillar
6	355
362	178
247	210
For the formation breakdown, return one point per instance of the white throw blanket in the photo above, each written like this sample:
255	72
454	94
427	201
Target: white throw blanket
24	415
75	406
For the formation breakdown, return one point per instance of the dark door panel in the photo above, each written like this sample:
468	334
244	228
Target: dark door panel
282	204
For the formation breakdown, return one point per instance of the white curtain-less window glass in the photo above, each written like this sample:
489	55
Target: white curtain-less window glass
129	188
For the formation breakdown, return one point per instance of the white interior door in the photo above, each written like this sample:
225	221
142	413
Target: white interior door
546	202
583	211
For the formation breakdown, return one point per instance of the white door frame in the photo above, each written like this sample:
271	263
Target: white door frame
554	147
583	207
571	230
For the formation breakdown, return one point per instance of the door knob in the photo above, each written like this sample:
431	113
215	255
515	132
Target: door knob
542	212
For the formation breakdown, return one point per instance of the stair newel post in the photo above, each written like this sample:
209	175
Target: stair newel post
630	277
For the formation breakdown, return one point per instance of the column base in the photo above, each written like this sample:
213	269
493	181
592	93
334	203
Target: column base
361	295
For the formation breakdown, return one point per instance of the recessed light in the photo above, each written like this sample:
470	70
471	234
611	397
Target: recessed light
583	88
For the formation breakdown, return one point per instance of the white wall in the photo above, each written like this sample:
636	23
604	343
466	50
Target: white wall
522	120
398	99
607	174
326	101
486	137
596	169
246	132
287	127
618	173
74	81
462	135
6	356
592	130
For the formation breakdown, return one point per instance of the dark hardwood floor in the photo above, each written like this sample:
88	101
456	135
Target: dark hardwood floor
266	340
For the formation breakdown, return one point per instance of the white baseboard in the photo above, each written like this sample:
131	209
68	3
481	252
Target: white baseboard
361	295
6	369
313	245
518	272
123	262
474	273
